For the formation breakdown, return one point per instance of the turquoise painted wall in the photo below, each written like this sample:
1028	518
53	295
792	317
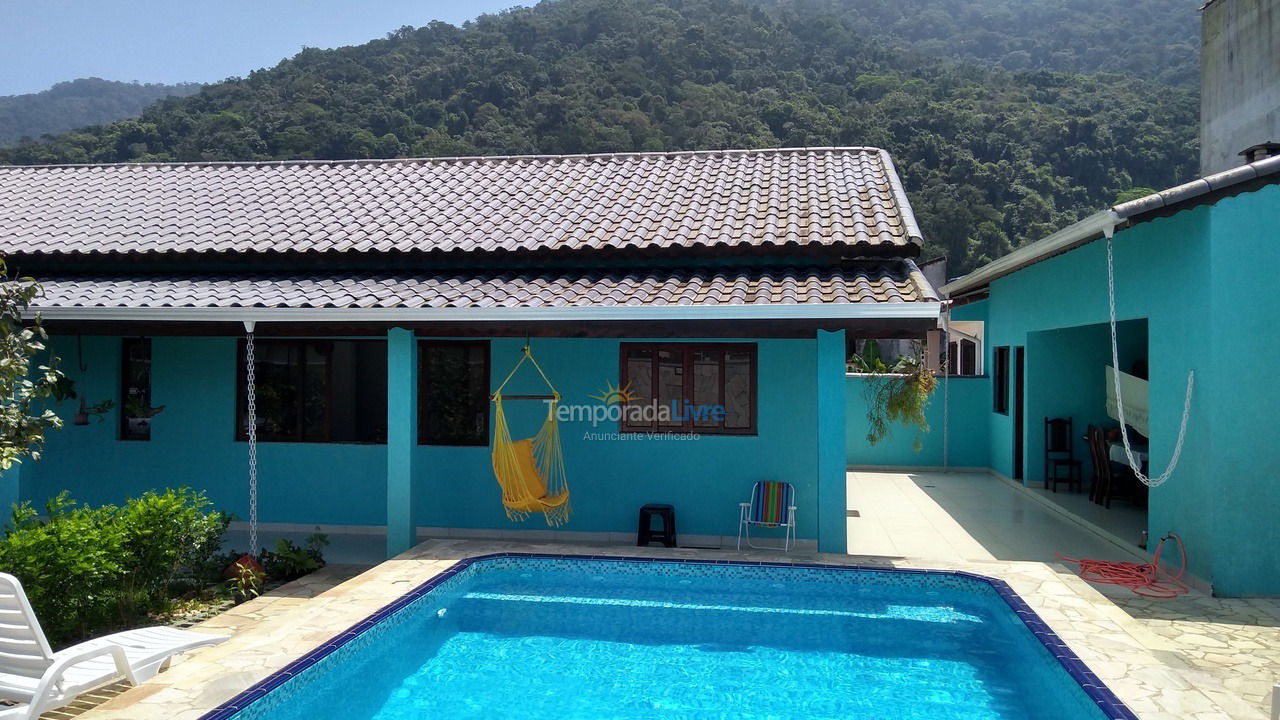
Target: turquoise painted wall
1201	279
192	443
10	489
609	478
346	484
1243	480
968	400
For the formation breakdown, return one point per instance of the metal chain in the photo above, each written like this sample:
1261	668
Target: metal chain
251	431
1115	375
944	356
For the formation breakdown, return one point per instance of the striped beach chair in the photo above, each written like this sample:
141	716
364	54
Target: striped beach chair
772	505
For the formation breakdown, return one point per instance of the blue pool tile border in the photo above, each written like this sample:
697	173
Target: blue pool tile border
1094	688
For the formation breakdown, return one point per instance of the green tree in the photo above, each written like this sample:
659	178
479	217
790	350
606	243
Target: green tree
24	416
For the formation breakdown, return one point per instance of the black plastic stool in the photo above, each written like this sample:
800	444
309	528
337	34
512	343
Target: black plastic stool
645	533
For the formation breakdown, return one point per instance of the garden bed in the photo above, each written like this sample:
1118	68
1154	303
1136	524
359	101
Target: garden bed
157	559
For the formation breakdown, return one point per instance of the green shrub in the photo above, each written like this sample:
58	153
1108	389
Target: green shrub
88	570
165	534
69	564
289	561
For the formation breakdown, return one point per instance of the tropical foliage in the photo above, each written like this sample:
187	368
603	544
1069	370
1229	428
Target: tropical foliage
896	393
24	390
1157	39
88	569
992	158
289	561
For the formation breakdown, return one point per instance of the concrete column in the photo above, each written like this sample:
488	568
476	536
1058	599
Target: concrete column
402	437
831	440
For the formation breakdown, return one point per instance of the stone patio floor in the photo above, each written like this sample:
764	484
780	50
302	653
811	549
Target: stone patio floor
1227	648
235	621
1197	659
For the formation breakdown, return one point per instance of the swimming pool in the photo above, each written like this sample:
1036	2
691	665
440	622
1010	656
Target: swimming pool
568	637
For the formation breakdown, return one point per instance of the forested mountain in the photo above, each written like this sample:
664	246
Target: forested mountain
77	104
990	158
1155	39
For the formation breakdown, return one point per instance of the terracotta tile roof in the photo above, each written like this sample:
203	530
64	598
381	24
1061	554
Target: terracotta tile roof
779	197
896	281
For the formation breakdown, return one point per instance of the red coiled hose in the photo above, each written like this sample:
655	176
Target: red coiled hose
1142	578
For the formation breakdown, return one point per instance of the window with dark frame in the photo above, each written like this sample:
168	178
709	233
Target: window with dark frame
1000	380
968	357
135	389
310	390
962	358
453	392
690	378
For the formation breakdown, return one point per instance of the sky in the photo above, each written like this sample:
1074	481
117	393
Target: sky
47	41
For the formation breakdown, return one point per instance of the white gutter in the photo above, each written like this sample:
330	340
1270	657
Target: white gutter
803	311
1068	238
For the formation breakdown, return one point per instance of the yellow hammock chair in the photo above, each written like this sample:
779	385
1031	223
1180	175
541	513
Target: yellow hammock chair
530	471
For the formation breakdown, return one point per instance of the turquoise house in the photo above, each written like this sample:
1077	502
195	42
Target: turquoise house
372	307
1194	273
380	303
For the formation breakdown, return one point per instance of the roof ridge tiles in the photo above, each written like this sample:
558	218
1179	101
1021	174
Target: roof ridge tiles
459	159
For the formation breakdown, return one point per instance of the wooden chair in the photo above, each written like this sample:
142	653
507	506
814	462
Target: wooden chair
1113	480
1096	441
1059	454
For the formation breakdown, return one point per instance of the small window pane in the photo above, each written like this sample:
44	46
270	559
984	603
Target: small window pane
639	378
358	392
737	389
136	411
706	388
968	357
671	385
453	396
316	391
1000	380
277	406
369	384
638	381
315	396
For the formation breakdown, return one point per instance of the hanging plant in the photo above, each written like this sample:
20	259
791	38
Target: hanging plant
65	389
134	408
898	394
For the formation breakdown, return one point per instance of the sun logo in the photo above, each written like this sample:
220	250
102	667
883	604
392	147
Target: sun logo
615	395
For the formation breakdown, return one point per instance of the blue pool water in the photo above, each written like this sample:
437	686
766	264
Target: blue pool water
577	638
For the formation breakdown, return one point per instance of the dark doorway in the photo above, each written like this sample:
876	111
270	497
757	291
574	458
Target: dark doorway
1019	410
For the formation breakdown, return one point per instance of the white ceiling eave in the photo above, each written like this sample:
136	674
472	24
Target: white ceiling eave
801	311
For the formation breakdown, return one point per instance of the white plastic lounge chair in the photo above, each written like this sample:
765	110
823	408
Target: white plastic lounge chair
772	505
31	673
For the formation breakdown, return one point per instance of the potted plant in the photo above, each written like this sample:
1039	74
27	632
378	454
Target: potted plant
899	392
65	389
138	414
